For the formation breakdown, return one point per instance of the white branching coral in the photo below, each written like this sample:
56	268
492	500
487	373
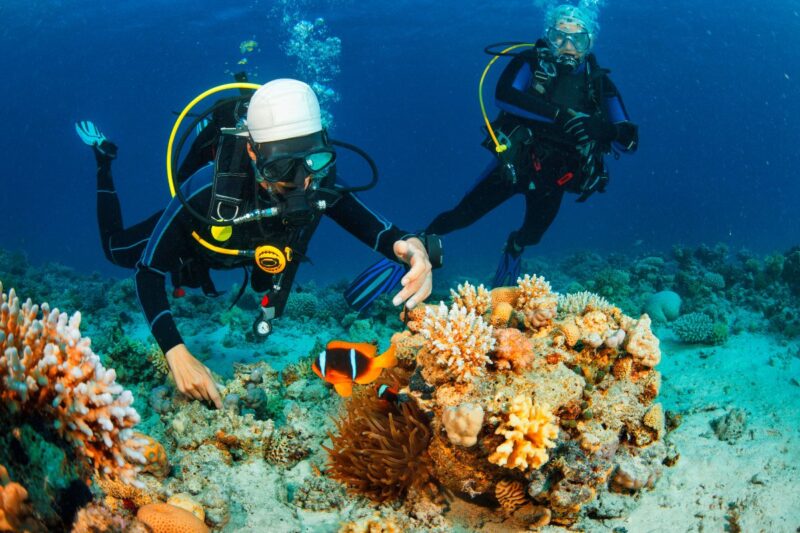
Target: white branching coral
47	369
536	301
578	303
459	339
473	298
529	431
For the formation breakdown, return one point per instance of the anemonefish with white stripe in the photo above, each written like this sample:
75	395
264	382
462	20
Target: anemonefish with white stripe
344	363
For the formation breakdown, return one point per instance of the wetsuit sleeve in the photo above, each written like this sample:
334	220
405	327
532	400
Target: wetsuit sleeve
366	225
512	94
627	138
169	246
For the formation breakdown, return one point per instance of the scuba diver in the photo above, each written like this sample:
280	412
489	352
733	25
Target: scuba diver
256	207
560	113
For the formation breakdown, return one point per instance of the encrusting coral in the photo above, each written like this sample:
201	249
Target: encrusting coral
463	423
48	370
529	431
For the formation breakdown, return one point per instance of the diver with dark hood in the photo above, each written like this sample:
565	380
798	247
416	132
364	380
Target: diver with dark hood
256	207
560	114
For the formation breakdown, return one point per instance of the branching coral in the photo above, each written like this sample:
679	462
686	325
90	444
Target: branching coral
536	301
380	450
529	431
459	339
579	302
475	299
48	370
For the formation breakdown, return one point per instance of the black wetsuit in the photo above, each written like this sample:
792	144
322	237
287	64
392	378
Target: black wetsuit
163	243
550	164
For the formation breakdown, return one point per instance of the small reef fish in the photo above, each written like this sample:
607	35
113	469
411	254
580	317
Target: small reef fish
343	363
389	394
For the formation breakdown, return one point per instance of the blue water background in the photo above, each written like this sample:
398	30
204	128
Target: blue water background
713	85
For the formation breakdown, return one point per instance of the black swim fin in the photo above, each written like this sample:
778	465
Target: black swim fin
378	279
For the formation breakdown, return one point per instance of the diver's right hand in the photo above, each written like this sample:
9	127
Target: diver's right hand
192	377
91	136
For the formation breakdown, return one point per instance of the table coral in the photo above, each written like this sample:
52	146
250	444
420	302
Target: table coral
48	370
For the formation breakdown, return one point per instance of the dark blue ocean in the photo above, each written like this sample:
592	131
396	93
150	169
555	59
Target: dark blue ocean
713	86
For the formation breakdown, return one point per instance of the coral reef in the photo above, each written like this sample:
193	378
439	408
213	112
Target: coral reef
537	419
48	370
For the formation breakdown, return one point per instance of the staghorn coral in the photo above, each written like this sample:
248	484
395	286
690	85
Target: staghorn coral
512	349
48	370
379	451
459	339
529	431
475	299
463	423
537	302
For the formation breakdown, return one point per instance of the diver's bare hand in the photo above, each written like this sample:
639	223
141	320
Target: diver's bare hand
192	377
418	281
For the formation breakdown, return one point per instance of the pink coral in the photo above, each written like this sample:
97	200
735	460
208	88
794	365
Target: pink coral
513	349
48	370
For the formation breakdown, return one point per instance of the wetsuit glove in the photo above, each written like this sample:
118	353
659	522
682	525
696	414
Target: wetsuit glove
104	150
587	128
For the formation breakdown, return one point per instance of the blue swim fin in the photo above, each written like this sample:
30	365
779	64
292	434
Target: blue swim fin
510	265
378	279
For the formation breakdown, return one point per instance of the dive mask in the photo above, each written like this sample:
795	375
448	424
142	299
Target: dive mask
581	40
281	167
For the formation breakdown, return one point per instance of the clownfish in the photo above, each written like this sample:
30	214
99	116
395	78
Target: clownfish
387	393
343	363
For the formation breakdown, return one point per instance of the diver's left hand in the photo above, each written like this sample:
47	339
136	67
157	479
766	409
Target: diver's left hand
418	281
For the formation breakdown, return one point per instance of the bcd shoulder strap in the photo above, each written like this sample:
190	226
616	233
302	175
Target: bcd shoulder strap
232	178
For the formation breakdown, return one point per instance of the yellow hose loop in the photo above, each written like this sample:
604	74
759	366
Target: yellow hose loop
213	90
499	148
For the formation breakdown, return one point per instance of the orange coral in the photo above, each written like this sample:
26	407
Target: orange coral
48	370
501	314
507	295
512	349
166	518
12	502
380	449
510	493
529	431
155	455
